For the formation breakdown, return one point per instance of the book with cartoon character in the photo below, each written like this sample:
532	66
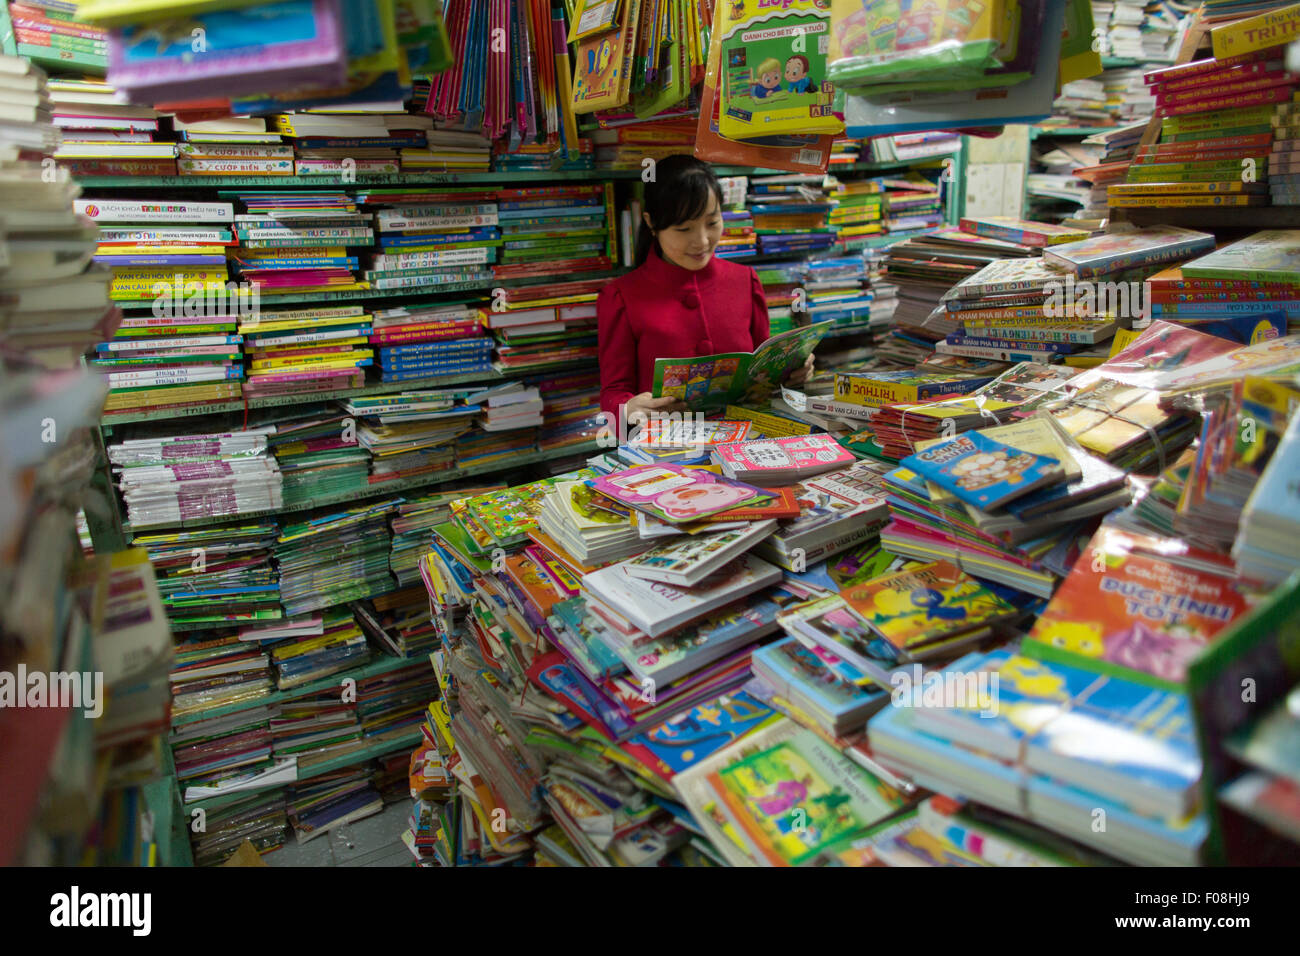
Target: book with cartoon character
1125	611
792	801
915	607
674	493
982	471
1133	743
773	68
708	382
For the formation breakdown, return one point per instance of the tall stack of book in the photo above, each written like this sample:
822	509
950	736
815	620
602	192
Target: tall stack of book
429	238
350	143
319	454
855	208
913	203
104	137
306	350
411	433
441	339
297	241
167	480
789	214
49	33
554	229
1216	134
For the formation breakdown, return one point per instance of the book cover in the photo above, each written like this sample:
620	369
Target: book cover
1114	251
714	381
1126	612
1271	255
794	800
982	471
806	454
674	493
921	605
1026	232
688	559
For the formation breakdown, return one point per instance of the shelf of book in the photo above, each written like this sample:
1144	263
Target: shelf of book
382	745
374	491
352	295
310	398
379	664
433	178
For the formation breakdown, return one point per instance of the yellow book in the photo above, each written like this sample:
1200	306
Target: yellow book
161	251
1256	33
120	13
312	362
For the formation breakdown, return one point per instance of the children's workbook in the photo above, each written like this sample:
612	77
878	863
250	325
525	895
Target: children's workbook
774	69
676	494
924	604
728	378
768	461
982	471
790	802
1126	612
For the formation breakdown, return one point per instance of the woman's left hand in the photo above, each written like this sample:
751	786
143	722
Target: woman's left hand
801	374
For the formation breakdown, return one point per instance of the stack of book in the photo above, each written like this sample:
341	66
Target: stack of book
412	524
449	150
334	559
297	242
168	480
105	137
348	144
420	342
215	576
543	157
328	642
571	409
50	34
913	203
428	238
1037	488
165	251
319	454
306	350
1216	129
554	229
856	207
627	146
411	433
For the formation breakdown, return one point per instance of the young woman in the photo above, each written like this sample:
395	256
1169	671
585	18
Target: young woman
681	301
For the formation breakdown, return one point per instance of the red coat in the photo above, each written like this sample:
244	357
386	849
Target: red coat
661	310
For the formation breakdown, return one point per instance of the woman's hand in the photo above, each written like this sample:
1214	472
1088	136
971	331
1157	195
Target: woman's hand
640	407
802	373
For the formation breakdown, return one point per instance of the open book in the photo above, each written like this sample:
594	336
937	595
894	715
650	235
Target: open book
736	378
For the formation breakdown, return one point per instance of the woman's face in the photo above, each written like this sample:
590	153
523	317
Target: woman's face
690	244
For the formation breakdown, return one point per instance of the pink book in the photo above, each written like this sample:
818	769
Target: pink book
801	454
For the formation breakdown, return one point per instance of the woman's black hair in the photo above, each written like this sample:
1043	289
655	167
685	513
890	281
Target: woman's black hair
678	193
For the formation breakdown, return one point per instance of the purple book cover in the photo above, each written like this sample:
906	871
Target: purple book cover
298	42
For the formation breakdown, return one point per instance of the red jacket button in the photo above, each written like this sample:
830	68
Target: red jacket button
691	300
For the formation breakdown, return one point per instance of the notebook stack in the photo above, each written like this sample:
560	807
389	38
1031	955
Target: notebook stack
165	481
411	433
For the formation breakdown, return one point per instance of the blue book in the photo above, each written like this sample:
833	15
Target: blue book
983	472
688	738
843	693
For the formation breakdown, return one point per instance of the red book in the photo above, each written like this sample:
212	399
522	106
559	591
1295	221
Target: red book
1174	73
1231	74
1273	94
1219	90
1176	151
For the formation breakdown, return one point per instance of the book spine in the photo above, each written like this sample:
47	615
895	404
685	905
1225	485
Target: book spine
995	354
1188	200
1029	334
1273	94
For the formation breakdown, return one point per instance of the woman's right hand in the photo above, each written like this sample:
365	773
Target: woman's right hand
640	407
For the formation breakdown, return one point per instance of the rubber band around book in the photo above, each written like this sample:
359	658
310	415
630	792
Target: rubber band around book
1151	432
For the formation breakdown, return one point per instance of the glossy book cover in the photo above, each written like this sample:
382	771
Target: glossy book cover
675	494
982	471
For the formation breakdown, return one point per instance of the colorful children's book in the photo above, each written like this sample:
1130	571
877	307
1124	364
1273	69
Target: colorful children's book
676	494
773	69
508	515
1272	255
982	471
686	739
925	604
888	387
1112	252
808	679
1026	232
715	381
602	64
687	560
767	461
1125	611
1116	737
791	802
